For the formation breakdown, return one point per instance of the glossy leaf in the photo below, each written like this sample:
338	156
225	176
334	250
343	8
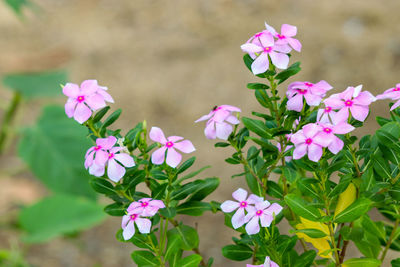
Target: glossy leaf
301	208
354	211
144	258
237	252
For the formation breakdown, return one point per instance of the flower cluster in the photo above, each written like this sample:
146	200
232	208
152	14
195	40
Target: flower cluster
219	122
83	100
145	207
269	45
258	211
391	93
106	154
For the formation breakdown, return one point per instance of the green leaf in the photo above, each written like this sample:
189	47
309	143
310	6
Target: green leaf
253	184
32	85
237	252
190	261
173	246
115	209
100	114
193	208
188	235
362	262
221	144
144	258
274	190
111	119
186	165
207	186
185	190
256	86
173	262
192	174
102	186
57	215
302	208
54	149
263	98
395	262
313	233
168	212
286	74
142	241
394	192
306	259
257	127
354	211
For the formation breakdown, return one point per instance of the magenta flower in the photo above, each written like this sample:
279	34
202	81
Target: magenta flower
328	132
313	94
391	93
238	219
168	145
219	121
146	207
351	99
128	225
285	37
85	99
105	154
268	263
326	115
307	141
260	47
262	212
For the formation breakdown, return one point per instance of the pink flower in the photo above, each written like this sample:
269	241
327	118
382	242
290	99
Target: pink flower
328	132
128	225
285	37
218	121
168	145
238	219
105	154
146	207
391	93
260	47
326	115
267	263
262	212
308	141
351	99
82	100
313	93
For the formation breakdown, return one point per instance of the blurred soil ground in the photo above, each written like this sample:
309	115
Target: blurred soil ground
170	62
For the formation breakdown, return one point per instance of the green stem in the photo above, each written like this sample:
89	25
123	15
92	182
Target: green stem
8	118
389	242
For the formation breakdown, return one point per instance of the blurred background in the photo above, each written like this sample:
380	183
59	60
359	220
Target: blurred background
170	62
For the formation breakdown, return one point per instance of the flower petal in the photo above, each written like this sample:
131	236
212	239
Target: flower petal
336	145
205	117
288	30
125	159
157	135
251	48
115	171
223	130
158	156
70	107
280	60
229	206
129	231
185	146
106	143
314	152
144	225
89	87
71	90
95	102
253	227
240	194
82	113
260	64
96	170
295	103
266	220
359	113
238	218
173	157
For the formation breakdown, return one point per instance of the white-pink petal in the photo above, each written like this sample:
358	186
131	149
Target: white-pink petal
185	146
158	156
229	206
173	157
240	194
115	171
157	135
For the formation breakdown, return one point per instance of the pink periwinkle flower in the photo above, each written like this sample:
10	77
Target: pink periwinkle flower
351	99
85	99
260	47
326	115
169	145
105	154
286	36
307	141
262	212
328	132
220	121
391	93
267	263
146	207
313	94
243	203
128	225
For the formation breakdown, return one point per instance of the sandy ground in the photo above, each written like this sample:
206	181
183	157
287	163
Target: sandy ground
170	62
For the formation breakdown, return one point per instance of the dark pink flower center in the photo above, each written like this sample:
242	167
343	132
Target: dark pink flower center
396	89
280	36
97	148
267	49
348	103
327	130
258	34
243	204
328	109
145	204
308	84
133	217
302	91
110	155
169	144
308	141
80	98
259	212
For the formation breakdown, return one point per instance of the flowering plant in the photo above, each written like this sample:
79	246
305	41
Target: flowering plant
300	161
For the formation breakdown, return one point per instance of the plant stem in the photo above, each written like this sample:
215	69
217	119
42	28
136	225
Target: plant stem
389	242
8	118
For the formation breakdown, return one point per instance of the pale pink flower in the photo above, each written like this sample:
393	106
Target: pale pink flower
219	121
351	99
262	212
85	99
286	36
105	154
238	219
260	47
128	225
328	132
169	145
326	115
268	263
313	94
391	93
146	207
307	141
